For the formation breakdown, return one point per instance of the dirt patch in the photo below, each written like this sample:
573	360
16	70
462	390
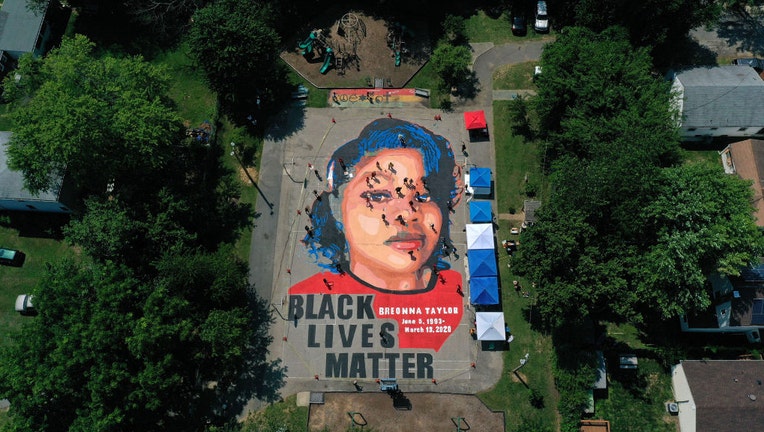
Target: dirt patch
247	179
429	412
366	49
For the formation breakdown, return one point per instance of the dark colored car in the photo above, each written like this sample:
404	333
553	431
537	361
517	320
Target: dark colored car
11	257
755	63
518	25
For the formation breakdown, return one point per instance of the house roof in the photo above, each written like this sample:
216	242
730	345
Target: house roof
747	159
721	389
12	182
530	207
19	27
721	96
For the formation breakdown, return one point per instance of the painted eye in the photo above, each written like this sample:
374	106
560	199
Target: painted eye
423	198
377	196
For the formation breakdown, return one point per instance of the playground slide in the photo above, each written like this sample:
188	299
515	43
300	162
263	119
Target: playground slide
327	60
307	45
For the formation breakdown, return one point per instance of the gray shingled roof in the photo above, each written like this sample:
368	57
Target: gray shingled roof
12	182
720	389
19	27
722	96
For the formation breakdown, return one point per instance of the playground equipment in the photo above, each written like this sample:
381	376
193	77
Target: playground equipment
353	30
327	60
307	45
396	43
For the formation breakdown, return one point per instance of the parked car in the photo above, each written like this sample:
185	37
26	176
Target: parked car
11	257
755	63
518	26
541	24
24	305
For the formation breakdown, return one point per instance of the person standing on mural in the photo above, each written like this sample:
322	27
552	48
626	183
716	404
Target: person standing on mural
359	251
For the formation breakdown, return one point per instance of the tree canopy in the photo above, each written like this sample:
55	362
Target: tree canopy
649	23
451	63
237	47
99	120
109	351
628	230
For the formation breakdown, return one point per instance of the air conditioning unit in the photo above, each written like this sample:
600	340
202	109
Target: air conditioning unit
753	336
672	408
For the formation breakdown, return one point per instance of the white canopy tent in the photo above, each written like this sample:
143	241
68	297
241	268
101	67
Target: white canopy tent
490	326
480	236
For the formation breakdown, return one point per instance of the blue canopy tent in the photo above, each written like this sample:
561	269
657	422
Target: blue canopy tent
480	212
482	263
484	291
480	181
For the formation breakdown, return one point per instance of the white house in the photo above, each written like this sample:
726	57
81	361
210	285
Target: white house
719	395
13	195
719	101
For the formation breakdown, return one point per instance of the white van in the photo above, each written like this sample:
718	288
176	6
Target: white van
542	20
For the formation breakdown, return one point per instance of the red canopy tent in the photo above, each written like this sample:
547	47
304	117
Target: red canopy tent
475	120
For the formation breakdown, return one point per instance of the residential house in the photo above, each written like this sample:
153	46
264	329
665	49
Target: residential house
719	395
22	30
13	195
738	306
746	159
719	101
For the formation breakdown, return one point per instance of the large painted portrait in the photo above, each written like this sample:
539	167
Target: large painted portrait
380	237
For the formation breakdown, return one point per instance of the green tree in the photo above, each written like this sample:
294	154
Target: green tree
702	220
649	23
97	120
451	63
454	29
237	47
594	87
111	351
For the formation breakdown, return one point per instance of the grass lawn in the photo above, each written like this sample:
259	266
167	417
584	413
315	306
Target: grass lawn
194	101
26	232
248	191
427	78
317	98
482	28
514	77
510	394
5	120
195	104
286	416
516	159
635	394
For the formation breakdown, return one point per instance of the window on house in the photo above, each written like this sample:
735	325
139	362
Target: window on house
714	128
691	129
742	129
757	311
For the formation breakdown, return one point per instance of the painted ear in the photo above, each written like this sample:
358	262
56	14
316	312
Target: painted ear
458	186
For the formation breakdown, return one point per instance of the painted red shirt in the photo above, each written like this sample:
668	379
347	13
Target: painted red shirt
424	319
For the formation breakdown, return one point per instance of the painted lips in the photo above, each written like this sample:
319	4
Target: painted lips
405	242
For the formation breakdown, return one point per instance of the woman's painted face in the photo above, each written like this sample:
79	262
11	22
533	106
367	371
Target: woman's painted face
387	230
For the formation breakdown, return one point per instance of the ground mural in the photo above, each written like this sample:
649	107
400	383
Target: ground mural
384	301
